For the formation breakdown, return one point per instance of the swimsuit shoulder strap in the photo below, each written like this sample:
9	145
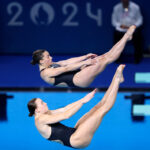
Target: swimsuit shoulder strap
42	69
51	66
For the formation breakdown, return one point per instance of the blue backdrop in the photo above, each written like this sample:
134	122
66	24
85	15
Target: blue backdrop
116	132
61	26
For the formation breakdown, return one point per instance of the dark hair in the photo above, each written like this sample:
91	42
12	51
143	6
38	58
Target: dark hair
32	106
37	56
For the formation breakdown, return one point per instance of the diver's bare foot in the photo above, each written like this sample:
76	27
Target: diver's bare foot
130	32
119	73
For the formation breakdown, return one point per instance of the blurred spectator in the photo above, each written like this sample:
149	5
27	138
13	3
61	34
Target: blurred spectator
125	14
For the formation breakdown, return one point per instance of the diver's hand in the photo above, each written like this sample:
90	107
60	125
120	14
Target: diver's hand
89	96
91	55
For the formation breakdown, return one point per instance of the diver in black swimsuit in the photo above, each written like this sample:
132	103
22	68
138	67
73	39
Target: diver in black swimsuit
66	77
78	71
61	133
48	121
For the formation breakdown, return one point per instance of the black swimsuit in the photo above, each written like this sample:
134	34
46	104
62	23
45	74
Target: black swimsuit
66	77
61	133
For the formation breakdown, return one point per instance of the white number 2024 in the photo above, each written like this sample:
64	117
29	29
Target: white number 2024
14	21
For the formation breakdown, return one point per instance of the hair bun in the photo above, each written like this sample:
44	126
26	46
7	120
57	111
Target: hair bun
30	115
32	62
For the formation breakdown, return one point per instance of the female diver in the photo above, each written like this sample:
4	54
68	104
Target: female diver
48	123
79	71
